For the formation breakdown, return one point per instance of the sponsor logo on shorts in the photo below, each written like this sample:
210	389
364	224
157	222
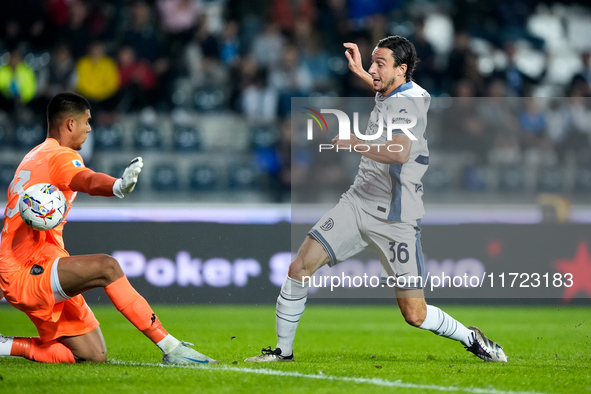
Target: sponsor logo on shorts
36	270
327	225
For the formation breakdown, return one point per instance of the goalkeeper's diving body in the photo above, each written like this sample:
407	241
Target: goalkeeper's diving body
40	278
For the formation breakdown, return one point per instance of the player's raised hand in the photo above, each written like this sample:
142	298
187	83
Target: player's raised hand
355	65
126	183
354	57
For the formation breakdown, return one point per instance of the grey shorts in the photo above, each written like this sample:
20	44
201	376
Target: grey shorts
347	229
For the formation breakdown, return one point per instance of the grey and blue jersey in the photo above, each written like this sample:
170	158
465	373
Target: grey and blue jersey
394	191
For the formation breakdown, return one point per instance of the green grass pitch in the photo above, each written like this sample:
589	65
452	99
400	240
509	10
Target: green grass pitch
338	350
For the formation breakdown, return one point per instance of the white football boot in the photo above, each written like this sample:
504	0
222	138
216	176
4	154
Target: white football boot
269	355
183	354
484	348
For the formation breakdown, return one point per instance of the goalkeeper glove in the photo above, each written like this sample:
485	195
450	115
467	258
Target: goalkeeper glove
127	182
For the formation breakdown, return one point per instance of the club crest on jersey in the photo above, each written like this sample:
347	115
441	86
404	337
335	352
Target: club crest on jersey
77	163
327	225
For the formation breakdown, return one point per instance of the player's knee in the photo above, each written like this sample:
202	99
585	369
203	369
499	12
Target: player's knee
96	357
110	268
298	269
413	317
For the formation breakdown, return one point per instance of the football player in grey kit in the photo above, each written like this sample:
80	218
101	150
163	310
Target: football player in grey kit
382	208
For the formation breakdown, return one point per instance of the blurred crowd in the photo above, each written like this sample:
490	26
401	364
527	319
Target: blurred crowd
250	58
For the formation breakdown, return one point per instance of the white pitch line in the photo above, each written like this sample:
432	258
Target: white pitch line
372	381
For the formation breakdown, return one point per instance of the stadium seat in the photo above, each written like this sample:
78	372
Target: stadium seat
436	179
187	138
28	136
147	137
578	27
583	180
549	28
263	137
6	175
550	180
203	177
37	61
165	178
3	136
108	137
243	176
209	100
474	179
511	179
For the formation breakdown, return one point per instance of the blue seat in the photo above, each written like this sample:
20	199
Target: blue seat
28	136
263	137
583	180
108	138
147	138
436	179
550	180
187	139
165	177
6	175
208	99
203	177
474	179
243	176
511	179
3	136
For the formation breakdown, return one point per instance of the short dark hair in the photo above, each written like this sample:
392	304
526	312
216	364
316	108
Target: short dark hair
66	103
403	51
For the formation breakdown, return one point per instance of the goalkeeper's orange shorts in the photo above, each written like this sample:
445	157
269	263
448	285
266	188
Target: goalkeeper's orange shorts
30	291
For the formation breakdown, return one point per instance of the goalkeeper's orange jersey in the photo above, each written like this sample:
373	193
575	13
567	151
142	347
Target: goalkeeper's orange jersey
21	245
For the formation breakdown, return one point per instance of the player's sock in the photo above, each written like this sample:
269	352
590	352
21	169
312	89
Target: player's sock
443	324
137	310
290	306
34	349
5	345
168	344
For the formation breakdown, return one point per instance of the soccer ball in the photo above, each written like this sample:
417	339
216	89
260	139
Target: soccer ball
43	206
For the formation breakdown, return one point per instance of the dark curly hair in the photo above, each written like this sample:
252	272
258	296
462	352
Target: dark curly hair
403	51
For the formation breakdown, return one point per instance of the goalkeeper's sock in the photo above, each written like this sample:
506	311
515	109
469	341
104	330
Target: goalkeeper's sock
441	323
290	307
168	344
136	309
34	349
5	345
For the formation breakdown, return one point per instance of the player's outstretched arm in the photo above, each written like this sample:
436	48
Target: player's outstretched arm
355	65
99	184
